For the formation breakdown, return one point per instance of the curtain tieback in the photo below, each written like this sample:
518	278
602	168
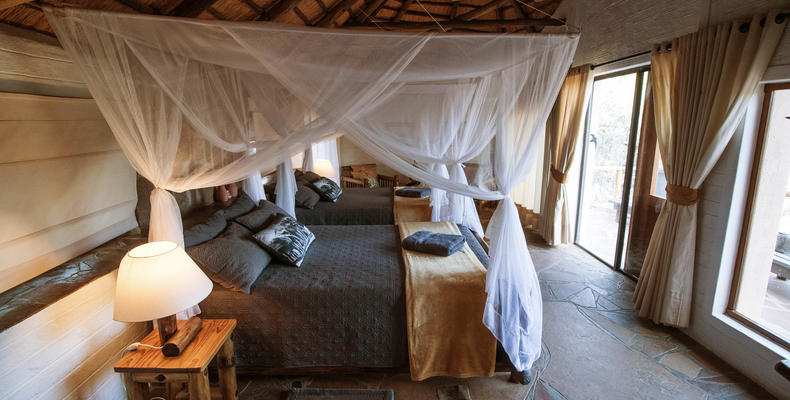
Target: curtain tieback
558	176
681	195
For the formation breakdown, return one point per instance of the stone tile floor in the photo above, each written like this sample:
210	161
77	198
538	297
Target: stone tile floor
594	348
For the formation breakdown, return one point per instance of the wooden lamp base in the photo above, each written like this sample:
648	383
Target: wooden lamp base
174	340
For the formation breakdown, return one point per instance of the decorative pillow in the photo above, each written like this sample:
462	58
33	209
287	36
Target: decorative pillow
311	176
242	205
364	171
205	230
328	189
306	197
298	173
231	259
372	182
286	239
258	218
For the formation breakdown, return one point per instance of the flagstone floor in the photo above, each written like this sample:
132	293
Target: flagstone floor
594	348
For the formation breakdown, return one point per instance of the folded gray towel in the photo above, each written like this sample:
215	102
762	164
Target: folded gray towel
413	192
441	244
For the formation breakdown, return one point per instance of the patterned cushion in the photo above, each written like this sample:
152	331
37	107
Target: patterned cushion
328	189
258	218
286	239
306	197
231	259
372	182
205	230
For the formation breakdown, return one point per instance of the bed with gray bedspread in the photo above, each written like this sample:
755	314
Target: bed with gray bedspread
356	206
344	307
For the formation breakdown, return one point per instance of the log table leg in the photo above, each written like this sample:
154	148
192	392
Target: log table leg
134	390
199	388
227	371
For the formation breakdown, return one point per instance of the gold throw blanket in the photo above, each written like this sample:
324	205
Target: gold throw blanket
445	297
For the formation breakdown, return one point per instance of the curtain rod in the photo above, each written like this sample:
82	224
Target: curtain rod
620	59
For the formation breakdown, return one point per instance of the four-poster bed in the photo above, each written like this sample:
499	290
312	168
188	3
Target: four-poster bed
203	103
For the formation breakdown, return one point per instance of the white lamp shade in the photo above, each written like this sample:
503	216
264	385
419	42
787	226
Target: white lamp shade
155	280
324	168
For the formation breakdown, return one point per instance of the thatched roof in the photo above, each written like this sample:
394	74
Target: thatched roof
411	15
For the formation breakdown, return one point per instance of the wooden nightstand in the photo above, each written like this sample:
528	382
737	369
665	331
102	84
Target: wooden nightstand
144	366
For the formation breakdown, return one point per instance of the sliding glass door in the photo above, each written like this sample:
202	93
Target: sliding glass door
609	151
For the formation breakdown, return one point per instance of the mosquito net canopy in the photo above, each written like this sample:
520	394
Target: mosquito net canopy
201	103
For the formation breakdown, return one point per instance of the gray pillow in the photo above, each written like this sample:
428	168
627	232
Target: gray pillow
310	176
231	259
242	205
205	230
306	197
286	239
328	189
258	218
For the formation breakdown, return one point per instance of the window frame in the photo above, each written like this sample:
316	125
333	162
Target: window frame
630	168
746	226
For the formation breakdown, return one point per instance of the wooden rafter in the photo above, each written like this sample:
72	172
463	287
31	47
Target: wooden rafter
301	16
335	12
258	10
368	9
473	24
454	10
11	3
485	9
421	13
191	9
402	11
519	10
279	9
138	7
216	14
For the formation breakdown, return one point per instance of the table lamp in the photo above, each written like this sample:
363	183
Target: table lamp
324	168
156	280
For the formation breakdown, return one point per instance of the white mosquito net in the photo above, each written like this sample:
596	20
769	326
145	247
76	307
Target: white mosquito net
198	103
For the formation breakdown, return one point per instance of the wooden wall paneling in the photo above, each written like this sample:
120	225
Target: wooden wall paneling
67	350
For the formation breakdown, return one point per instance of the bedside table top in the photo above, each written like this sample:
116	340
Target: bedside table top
195	357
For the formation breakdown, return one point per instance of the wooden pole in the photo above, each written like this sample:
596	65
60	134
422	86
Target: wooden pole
480	23
227	371
182	337
167	327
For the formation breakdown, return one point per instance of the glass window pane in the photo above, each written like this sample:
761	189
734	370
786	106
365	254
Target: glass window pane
764	292
605	164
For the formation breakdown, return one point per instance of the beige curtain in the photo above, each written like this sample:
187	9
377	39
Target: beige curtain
562	132
701	85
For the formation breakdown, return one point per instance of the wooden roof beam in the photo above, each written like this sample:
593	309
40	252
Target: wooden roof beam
368	10
11	3
474	24
138	7
191	9
485	9
402	11
282	7
335	12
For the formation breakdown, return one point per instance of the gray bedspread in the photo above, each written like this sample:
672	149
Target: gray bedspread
356	206
345	306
